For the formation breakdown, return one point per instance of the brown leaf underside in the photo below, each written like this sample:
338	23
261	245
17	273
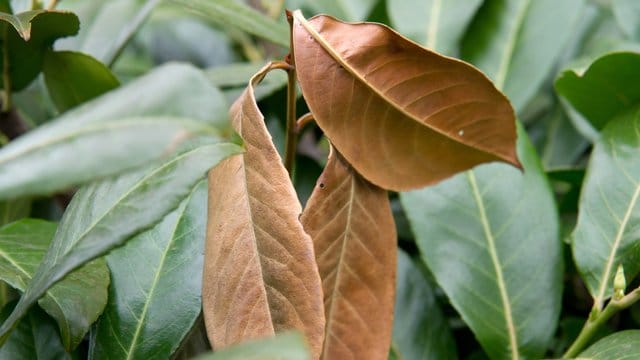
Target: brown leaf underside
260	275
402	115
354	235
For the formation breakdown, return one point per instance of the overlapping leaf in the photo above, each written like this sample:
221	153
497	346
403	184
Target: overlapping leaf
608	229
403	116
125	128
621	345
354	236
287	346
73	78
75	302
155	286
437	24
260	275
490	238
602	90
517	42
103	215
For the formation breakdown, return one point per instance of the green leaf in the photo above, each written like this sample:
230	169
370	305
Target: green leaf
347	10
608	229
490	238
233	79
620	345
285	346
35	337
103	215
627	13
75	302
420	330
241	16
602	90
108	26
156	281
437	24
125	128
73	78
517	42
29	36
14	209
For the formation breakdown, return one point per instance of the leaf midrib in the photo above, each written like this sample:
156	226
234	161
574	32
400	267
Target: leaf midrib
504	296
614	249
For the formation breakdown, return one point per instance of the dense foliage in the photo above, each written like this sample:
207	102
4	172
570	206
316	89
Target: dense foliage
113	112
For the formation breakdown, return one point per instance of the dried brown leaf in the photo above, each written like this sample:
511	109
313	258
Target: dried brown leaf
260	275
354	237
402	115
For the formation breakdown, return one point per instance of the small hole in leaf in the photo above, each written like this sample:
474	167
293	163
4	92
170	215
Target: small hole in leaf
321	185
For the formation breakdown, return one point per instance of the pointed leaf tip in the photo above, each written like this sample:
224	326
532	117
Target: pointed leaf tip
402	115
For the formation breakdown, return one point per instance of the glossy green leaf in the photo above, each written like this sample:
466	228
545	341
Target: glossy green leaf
602	90
29	36
73	78
75	302
125	128
627	13
241	16
420	330
35	337
156	281
14	209
285	346
608	229
517	42
563	145
617	346
490	238
107	26
437	24
103	215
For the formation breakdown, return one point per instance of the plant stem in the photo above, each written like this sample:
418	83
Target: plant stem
6	75
292	133
599	318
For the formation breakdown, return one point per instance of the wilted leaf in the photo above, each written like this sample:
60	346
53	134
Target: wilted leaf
602	91
437	24
517	42
260	275
403	116
286	346
620	345
73	78
104	214
350	222
28	36
608	229
35	337
156	279
75	302
125	128
490	238
420	329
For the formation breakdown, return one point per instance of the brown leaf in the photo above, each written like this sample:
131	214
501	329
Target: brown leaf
260	274
354	237
402	115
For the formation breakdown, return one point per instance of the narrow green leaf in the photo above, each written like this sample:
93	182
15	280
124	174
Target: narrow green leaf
103	215
517	42
156	284
490	238
30	35
125	128
602	90
437	24
608	229
617	346
285	346
77	301
420	330
627	13
14	209
73	78
35	337
237	14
